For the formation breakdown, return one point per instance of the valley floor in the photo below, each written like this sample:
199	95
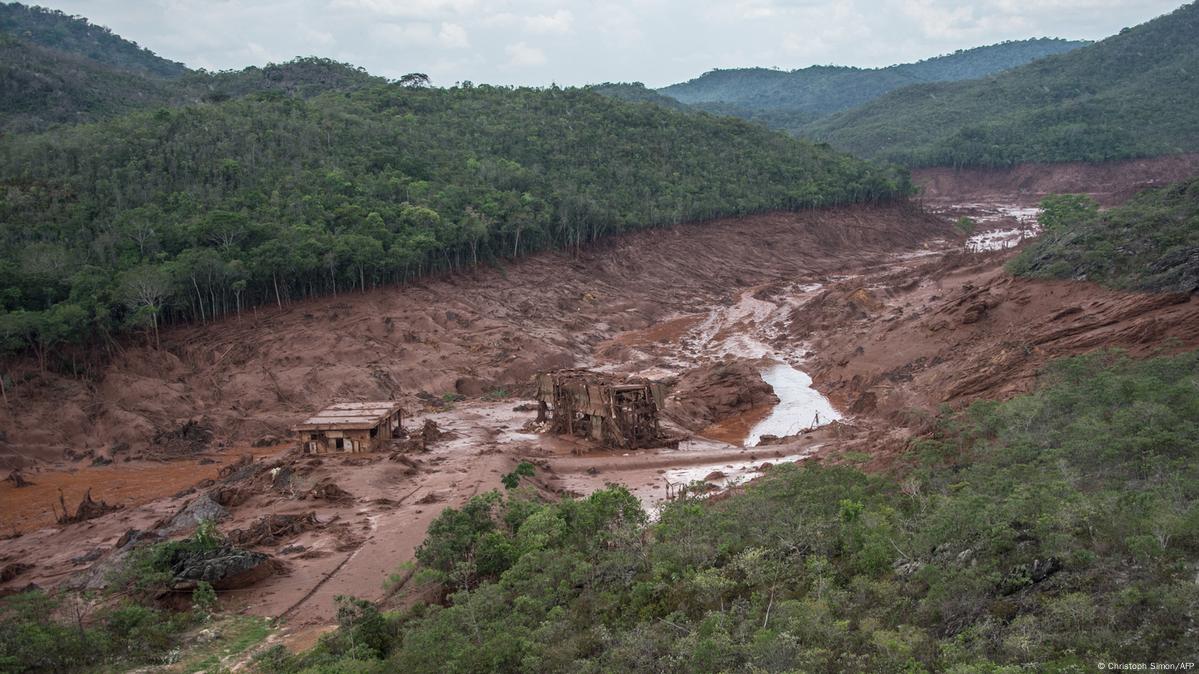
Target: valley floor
888	311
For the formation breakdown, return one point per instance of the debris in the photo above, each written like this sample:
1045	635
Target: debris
87	510
430	432
229	496
13	570
224	567
327	490
714	476
17	479
238	470
191	437
89	556
271	529
200	509
411	466
135	536
614	411
431	497
974	313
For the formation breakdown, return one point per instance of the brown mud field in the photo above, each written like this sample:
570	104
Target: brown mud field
869	316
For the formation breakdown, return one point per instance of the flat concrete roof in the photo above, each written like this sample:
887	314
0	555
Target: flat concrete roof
349	416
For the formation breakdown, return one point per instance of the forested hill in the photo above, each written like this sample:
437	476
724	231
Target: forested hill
636	92
75	35
809	93
59	69
40	87
180	214
1133	94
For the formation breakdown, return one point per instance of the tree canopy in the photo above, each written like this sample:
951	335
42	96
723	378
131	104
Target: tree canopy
196	212
1130	95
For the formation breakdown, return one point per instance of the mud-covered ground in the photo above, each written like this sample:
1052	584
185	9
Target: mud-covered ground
887	310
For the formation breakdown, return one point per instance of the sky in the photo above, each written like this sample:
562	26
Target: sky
573	42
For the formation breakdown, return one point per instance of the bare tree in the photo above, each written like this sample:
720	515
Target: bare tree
144	290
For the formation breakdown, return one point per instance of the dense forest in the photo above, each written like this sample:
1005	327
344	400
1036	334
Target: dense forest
789	99
189	195
1044	533
1149	243
194	213
75	35
57	69
1130	95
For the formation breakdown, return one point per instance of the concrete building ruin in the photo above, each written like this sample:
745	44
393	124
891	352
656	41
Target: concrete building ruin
612	410
350	427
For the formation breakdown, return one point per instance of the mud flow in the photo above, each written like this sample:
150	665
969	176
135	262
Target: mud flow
783	337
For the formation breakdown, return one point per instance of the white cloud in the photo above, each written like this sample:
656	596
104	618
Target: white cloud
407	8
521	55
453	36
558	22
582	41
404	34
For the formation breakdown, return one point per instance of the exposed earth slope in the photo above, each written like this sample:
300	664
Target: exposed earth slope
890	312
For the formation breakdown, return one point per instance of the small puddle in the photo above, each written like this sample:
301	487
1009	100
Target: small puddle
800	406
999	239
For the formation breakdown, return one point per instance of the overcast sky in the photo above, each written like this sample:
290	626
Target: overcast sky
538	42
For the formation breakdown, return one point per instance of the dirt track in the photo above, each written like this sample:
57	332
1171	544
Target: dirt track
884	307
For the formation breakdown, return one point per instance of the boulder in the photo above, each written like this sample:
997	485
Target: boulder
224	567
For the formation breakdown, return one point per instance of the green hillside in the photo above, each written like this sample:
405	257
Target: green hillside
1133	94
76	36
189	213
636	92
788	99
41	87
1149	243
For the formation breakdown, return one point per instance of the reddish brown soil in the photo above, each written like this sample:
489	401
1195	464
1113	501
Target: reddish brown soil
255	377
879	305
125	484
1027	184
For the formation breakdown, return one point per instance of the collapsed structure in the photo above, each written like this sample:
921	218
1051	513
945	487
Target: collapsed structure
614	411
350	427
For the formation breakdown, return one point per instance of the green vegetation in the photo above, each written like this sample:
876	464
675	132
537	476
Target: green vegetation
121	627
1130	95
636	92
1047	532
75	35
233	635
1149	243
200	212
791	99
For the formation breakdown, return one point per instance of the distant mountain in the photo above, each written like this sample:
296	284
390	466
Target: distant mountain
41	87
636	92
59	69
790	98
302	77
75	35
1133	94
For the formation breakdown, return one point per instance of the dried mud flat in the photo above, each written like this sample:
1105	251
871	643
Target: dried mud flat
883	307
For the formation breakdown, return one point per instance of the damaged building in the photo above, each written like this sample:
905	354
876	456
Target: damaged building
612	410
350	427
